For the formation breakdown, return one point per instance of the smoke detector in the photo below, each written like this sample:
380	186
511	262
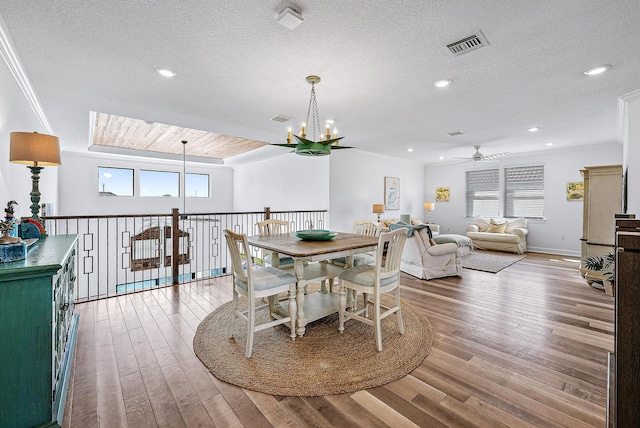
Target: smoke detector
468	44
290	18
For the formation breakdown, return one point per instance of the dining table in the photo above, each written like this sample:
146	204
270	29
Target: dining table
311	265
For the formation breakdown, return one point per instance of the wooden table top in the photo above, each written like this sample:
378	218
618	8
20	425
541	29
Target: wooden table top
291	245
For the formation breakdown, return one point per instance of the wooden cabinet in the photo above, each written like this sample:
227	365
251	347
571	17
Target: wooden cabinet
623	408
602	200
37	333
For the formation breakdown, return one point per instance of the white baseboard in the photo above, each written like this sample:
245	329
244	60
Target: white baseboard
556	251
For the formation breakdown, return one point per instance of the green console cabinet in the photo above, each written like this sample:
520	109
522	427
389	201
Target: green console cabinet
37	333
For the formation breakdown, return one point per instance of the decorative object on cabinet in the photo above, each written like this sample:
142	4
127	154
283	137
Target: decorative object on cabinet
11	248
602	200
36	151
37	333
391	193
9	217
30	229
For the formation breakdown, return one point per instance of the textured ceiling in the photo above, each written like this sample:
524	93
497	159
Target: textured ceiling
237	68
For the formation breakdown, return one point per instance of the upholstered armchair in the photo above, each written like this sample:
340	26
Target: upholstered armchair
425	259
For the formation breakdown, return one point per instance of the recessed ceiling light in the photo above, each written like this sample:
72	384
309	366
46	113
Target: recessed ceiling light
533	129
409	149
165	72
441	158
550	143
597	70
442	83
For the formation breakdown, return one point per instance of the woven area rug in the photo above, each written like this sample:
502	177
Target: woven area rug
490	261
322	362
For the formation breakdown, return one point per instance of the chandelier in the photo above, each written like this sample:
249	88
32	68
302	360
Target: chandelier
325	141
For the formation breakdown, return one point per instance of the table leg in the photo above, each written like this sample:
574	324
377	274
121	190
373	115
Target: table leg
293	310
342	305
298	268
351	297
274	304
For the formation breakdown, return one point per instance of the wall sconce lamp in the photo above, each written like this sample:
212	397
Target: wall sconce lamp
429	206
36	151
378	209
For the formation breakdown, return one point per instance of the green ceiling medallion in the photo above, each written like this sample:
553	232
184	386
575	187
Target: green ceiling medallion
325	142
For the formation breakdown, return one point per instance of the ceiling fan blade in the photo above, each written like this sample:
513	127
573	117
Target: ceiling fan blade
493	157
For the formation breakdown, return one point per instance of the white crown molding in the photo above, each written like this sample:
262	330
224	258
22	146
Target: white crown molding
10	57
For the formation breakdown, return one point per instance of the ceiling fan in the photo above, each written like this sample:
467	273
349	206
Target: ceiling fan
479	157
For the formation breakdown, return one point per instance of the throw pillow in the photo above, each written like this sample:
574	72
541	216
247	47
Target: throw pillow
496	227
517	222
416	221
482	224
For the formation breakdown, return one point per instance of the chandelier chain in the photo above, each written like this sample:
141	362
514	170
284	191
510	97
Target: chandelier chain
312	111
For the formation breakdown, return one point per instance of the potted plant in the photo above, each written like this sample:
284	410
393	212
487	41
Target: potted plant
606	265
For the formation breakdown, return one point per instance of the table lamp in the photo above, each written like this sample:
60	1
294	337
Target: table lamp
36	151
429	206
378	209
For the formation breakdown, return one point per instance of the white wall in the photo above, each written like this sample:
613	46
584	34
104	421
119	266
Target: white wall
631	140
561	230
78	193
284	183
357	182
15	180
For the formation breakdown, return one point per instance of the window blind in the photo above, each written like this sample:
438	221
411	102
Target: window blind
524	191
483	193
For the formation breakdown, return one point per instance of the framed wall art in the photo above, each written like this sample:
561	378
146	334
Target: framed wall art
391	193
442	194
575	191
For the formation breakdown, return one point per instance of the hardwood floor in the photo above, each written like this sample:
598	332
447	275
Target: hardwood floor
526	347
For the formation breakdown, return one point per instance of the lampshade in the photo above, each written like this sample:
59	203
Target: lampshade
429	206
378	208
31	148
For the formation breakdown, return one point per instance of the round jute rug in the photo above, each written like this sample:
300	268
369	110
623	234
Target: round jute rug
322	362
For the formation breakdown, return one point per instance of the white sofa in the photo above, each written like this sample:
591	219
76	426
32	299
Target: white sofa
426	261
486	236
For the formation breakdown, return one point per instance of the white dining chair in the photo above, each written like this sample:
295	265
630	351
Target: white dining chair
375	280
271	227
257	283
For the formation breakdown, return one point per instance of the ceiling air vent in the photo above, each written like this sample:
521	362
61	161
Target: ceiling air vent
455	133
468	44
281	118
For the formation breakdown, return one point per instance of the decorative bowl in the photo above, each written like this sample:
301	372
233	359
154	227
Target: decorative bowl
316	235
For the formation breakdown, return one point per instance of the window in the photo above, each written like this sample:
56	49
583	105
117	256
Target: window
115	181
197	186
159	183
483	193
524	191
